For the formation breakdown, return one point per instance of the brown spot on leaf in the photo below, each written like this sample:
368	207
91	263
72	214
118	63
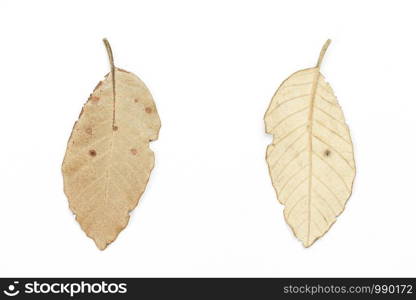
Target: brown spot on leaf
133	151
115	128
148	110
88	130
136	100
92	152
327	153
94	99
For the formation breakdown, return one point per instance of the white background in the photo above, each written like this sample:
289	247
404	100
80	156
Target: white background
212	67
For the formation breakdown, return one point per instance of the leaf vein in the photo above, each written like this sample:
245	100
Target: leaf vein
333	169
288	117
333	149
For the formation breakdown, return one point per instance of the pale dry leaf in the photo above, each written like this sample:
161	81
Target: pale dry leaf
108	160
311	161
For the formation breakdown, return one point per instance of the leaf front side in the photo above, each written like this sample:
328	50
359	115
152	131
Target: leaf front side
310	160
108	163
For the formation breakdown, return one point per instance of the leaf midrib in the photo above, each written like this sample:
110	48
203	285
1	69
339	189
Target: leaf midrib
310	146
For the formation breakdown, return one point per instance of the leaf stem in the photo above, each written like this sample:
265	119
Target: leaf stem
322	54
113	79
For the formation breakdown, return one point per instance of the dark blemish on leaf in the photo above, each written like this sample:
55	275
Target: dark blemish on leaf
88	130
148	110
136	100
133	151
327	153
115	128
94	99
92	152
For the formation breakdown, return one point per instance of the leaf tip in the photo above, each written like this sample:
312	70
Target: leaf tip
101	245
308	243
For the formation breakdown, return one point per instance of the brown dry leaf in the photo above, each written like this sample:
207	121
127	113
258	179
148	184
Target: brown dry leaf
108	160
311	159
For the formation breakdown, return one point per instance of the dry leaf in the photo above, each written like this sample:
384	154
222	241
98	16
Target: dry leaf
108	160
311	159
